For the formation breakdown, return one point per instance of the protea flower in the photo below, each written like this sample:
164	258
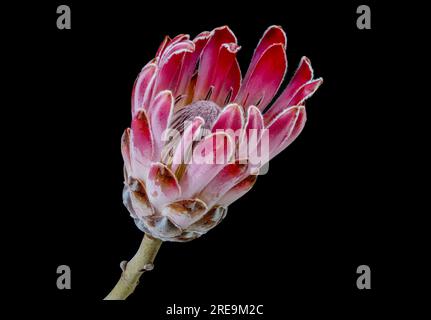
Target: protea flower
194	89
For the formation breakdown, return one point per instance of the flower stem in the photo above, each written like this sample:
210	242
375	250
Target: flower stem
142	261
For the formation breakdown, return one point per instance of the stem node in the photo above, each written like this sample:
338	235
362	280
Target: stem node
141	262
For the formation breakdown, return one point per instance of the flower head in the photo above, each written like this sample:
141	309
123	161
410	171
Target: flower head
192	115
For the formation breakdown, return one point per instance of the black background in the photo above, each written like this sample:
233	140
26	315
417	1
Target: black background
334	200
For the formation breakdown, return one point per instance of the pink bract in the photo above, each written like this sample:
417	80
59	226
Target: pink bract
199	82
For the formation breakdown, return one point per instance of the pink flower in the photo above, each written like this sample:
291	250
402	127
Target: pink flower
184	100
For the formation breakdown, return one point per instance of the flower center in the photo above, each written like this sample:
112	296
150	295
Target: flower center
207	110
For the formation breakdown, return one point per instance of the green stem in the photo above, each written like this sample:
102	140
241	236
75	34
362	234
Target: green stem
142	261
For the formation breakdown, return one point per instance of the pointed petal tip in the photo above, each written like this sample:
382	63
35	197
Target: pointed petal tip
232	105
253	108
264	77
225	28
293	109
161	178
231	117
126	133
279	29
313	85
141	114
319	80
165	92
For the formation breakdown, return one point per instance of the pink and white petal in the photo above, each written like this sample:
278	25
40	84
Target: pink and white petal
231	117
209	157
125	150
142	144
190	63
208	59
162	185
236	192
182	153
230	175
231	85
179	38
173	49
272	35
167	77
230	121
169	45
305	92
148	95
281	128
166	41
300	88
303	74
254	121
225	61
265	79
184	213
297	129
252	132
141	85
160	114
